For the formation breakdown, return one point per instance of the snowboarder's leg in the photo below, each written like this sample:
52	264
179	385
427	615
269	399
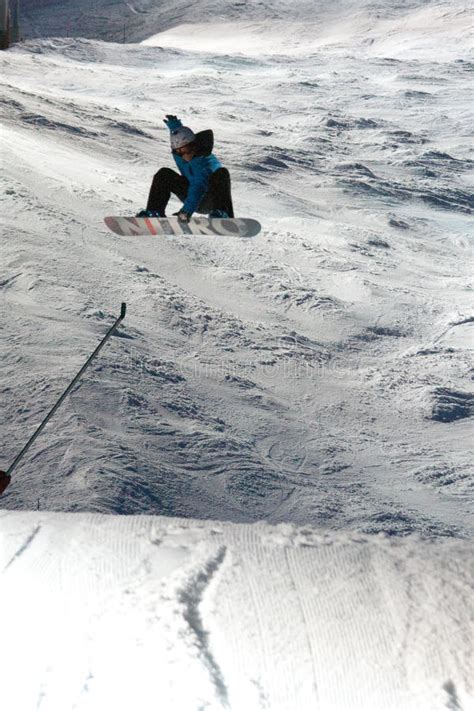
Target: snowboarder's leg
165	182
219	194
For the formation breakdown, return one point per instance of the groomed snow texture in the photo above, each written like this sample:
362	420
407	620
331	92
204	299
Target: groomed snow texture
156	613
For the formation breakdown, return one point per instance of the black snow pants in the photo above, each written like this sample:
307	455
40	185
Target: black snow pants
167	181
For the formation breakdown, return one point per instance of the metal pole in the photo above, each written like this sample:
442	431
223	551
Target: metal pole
15	37
6	476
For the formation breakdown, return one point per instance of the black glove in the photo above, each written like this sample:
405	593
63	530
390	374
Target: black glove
182	216
172	122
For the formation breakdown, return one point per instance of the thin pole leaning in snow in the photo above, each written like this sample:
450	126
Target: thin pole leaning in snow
6	476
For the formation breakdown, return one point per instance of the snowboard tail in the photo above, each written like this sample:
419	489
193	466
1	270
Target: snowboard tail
228	227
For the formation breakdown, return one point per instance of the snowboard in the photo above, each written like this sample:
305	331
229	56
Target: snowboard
228	227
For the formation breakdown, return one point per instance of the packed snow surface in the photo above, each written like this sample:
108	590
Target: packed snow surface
154	613
316	377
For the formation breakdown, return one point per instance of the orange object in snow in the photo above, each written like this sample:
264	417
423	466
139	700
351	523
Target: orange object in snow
4	481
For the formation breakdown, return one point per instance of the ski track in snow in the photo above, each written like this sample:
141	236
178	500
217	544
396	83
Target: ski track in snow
318	374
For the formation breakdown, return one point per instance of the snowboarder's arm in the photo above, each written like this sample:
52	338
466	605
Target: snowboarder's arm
180	163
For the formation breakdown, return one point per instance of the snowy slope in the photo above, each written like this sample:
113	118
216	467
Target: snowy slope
152	613
318	374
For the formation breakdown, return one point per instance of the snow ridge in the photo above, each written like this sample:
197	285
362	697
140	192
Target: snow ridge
452	703
192	596
29	540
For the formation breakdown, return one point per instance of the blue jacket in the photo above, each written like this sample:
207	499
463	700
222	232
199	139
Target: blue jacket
198	170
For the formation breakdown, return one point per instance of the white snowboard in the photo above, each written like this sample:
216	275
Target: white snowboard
229	227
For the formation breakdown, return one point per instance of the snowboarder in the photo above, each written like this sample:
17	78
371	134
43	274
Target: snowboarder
202	184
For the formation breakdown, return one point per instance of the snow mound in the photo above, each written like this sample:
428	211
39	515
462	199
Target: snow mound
260	617
409	31
403	30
